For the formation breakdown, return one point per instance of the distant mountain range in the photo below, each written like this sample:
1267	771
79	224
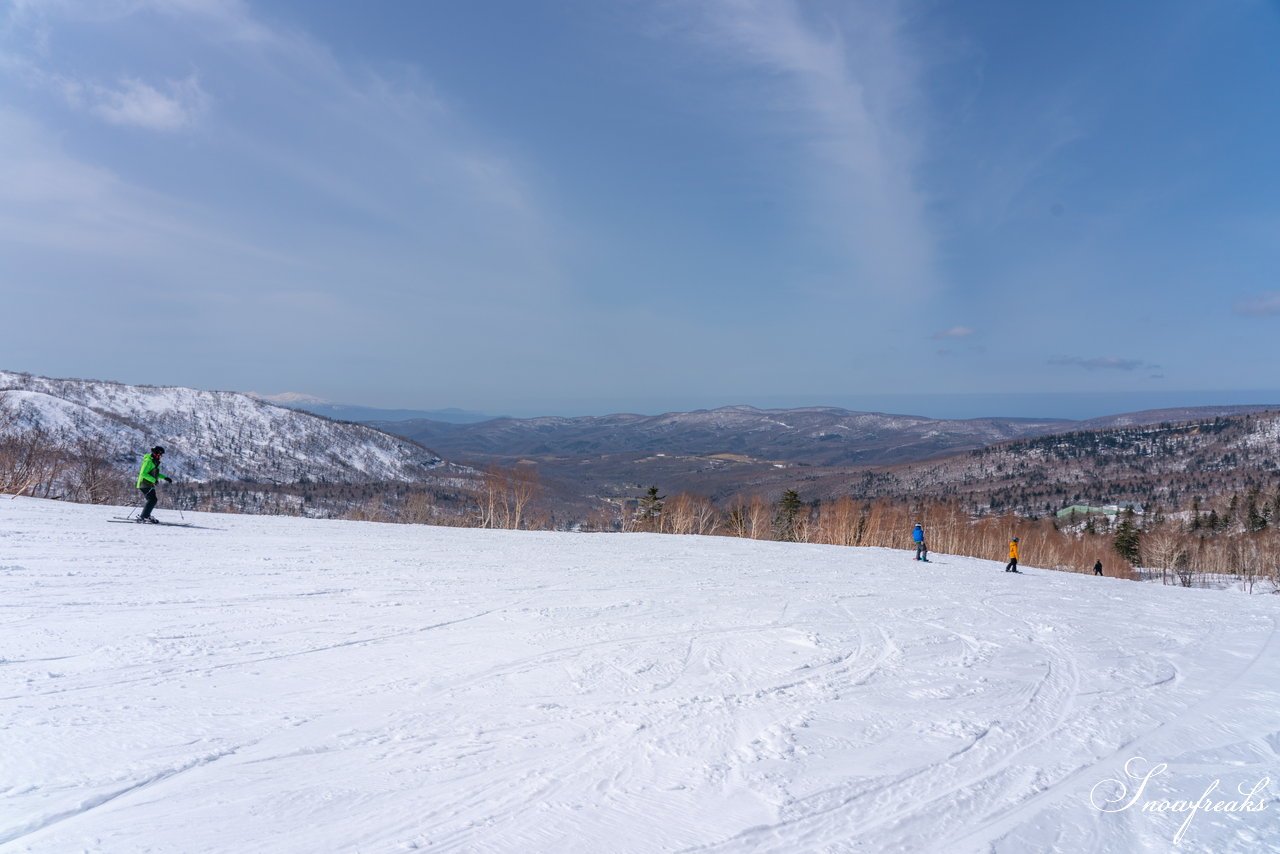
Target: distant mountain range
349	412
1024	464
214	435
816	436
813	435
741	450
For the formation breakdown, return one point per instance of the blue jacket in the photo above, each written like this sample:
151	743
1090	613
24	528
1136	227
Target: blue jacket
917	534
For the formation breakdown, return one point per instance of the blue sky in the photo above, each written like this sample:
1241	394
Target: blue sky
590	206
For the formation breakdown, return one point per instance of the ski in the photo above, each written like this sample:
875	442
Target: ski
169	524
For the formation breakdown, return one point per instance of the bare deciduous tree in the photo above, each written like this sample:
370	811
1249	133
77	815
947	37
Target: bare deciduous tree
1165	549
93	478
505	495
688	513
418	508
752	519
30	460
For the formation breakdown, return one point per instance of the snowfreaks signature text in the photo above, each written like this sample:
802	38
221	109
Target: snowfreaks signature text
1249	800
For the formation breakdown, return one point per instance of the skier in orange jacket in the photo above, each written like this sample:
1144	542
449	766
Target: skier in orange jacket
1012	566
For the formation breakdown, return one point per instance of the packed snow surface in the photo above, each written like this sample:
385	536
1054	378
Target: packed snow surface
261	684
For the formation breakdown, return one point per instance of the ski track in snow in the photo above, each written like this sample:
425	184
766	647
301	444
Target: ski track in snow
287	685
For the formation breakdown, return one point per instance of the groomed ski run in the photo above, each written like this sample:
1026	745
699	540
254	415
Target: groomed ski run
290	685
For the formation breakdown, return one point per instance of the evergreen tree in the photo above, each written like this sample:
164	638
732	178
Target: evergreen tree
649	509
1254	521
1128	539
1232	507
788	510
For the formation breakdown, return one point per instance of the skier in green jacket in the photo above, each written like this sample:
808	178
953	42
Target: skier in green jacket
148	476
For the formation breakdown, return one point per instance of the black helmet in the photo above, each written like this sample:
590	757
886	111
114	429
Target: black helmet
157	450
1015	539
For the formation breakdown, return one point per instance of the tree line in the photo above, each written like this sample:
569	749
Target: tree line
1232	536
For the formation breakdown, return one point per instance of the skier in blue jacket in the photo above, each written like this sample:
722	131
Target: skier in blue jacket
922	549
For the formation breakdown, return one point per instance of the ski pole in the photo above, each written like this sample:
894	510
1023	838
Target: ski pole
133	508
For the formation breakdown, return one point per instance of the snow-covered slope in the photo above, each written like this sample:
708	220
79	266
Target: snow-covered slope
213	435
286	685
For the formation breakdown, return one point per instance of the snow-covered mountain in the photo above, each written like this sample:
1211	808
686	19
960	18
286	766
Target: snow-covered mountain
827	452
1175	415
276	685
813	435
213	435
1149	463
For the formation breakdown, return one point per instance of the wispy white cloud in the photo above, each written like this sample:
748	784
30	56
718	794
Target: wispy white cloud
49	199
233	18
1025	157
137	103
370	144
165	104
350	201
220	18
1103	363
954	332
849	83
1265	304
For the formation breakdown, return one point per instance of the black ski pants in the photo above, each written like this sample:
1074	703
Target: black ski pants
1012	566
149	493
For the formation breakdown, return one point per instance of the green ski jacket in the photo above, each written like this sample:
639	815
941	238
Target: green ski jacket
149	474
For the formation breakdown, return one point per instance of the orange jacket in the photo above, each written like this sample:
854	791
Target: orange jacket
1013	551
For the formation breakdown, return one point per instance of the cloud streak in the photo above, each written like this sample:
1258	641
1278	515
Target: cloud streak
284	196
136	102
1103	363
850	87
349	145
1260	305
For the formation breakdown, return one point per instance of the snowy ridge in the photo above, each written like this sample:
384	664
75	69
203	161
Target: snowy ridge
1238	445
288	685
814	435
213	435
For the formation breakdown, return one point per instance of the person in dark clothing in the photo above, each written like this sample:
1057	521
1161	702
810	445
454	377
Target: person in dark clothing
1097	567
1012	565
148	476
922	548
